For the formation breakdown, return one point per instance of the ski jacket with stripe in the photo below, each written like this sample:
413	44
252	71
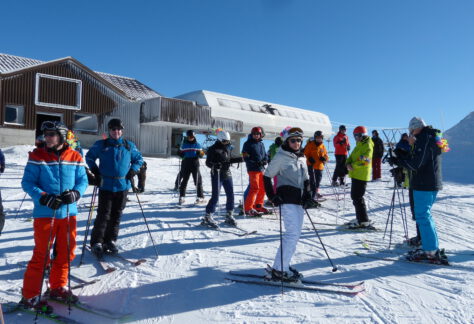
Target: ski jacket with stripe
116	159
53	172
424	162
361	160
191	149
341	144
292	176
254	154
314	151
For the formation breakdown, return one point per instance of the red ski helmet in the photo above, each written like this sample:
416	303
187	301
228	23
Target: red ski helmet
258	130
360	130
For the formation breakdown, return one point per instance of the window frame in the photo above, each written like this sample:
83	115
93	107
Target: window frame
14	107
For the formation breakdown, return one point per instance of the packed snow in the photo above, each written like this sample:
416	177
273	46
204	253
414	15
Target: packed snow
187	282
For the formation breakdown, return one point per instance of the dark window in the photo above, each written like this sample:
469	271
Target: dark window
15	115
85	122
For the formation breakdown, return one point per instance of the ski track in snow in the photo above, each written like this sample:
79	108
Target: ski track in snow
186	284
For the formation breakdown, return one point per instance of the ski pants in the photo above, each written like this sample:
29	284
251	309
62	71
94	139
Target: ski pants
32	279
228	185
2	214
424	200
318	175
191	166
340	170
109	212
312	182
358	188
293	221
376	168
256	195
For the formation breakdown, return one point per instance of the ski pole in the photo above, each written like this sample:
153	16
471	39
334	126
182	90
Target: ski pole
281	248
46	257
334	268
68	243
21	204
88	225
218	192
146	223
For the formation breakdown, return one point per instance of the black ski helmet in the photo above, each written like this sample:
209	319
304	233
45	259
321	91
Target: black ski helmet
318	133
115	123
56	126
342	127
190	133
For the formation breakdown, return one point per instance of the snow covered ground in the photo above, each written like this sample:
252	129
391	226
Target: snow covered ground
186	283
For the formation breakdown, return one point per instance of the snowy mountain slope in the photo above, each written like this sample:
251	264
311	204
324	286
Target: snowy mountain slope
457	163
186	284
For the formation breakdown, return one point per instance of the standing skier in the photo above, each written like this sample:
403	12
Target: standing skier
255	159
2	213
55	178
425	164
359	165
342	147
293	195
377	156
316	157
219	159
191	151
119	163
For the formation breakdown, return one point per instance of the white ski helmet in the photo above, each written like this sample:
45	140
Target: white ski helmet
223	136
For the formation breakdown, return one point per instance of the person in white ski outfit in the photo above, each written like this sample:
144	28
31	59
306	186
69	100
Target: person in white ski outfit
293	194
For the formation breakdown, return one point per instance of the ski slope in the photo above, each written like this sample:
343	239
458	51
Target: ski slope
186	283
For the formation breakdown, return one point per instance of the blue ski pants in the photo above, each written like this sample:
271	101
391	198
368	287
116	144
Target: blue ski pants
228	185
424	200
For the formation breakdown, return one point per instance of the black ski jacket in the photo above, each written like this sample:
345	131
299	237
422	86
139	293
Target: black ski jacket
425	162
219	156
378	147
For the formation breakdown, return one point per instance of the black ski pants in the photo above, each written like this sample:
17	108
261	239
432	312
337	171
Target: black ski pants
2	214
109	212
191	166
358	188
341	170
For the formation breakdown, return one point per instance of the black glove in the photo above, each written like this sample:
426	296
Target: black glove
393	161
277	200
217	165
51	200
70	196
2	169
131	173
311	160
348	147
180	153
322	159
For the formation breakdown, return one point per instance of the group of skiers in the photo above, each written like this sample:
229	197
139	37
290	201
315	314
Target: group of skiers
289	175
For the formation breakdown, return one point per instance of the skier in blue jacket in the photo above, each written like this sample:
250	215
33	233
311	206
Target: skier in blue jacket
190	151
120	161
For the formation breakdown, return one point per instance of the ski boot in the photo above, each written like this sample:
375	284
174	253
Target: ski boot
414	241
253	213
36	304
361	226
296	273
334	184
209	221
264	211
110	247
229	219
98	250
200	200
181	200
63	294
277	275
420	255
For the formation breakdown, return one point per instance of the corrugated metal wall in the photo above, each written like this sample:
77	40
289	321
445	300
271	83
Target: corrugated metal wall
155	140
229	125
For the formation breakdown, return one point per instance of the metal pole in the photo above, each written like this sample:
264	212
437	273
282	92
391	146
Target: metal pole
146	223
89	218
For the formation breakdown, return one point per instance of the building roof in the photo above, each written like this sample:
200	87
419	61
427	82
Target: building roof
132	88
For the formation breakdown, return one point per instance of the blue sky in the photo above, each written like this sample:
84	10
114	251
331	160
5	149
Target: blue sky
369	62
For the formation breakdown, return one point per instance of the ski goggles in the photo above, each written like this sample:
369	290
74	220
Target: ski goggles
48	125
295	140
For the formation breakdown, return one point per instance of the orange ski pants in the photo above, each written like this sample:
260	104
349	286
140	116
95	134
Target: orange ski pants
59	267
256	195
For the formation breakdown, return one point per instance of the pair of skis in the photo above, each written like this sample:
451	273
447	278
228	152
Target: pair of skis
347	289
108	268
241	232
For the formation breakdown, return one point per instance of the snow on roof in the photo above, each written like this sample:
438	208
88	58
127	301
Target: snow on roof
133	88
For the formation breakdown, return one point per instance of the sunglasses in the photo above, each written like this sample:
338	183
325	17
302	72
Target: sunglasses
295	140
225	142
50	134
116	129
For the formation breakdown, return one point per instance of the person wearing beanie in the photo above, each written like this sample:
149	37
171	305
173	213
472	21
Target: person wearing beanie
359	165
377	156
424	164
342	147
293	196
